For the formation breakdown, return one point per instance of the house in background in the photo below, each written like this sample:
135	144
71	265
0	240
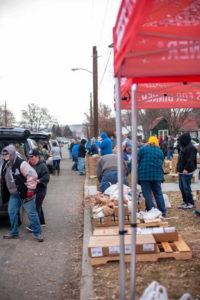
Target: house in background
159	127
191	125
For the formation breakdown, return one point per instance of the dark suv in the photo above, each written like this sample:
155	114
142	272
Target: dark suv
19	137
44	145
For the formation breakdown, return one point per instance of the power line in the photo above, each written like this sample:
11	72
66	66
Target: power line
102	77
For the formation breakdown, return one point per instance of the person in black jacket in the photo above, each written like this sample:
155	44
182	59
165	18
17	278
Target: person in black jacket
81	156
187	163
42	181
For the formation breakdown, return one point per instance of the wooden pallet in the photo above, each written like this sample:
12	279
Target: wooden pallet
178	250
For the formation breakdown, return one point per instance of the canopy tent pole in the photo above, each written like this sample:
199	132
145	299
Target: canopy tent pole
120	189
134	191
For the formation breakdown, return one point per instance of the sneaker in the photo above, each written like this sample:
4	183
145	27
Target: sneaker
43	225
11	236
182	206
189	206
40	238
29	229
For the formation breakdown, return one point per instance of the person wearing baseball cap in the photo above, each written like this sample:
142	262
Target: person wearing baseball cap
150	173
42	181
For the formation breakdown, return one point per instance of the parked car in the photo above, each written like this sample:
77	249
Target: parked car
19	137
192	141
44	145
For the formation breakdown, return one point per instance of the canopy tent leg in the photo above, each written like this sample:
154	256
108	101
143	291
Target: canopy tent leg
134	192
120	188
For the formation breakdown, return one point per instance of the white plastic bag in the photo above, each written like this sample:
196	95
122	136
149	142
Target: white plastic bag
167	202
152	214
186	296
112	191
155	291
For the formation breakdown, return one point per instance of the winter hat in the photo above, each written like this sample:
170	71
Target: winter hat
184	139
153	140
33	152
4	152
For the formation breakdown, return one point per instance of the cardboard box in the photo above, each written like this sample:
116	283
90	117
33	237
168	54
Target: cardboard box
198	205
116	210
167	166
104	221
110	245
166	236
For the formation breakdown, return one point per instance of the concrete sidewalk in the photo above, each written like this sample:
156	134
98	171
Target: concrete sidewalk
86	292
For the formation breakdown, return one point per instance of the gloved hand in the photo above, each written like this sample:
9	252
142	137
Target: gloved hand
30	194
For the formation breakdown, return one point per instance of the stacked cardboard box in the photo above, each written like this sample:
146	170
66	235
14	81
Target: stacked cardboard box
198	200
110	221
92	164
167	166
109	245
174	163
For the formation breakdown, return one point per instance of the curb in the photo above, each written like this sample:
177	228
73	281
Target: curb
86	292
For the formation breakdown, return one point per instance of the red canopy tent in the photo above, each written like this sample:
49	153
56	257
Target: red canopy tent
157	46
161	95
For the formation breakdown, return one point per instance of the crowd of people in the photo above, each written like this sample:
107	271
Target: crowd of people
151	157
24	183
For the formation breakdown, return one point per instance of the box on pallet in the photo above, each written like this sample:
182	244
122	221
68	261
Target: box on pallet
109	221
92	163
109	245
116	210
167	166
197	200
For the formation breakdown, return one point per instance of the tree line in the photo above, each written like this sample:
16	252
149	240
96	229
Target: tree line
38	118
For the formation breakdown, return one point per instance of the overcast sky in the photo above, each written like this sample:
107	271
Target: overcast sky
41	40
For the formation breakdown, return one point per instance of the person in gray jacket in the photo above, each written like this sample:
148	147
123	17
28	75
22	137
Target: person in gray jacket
107	171
18	184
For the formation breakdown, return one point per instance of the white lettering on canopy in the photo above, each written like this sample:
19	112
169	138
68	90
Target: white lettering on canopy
178	97
182	50
123	20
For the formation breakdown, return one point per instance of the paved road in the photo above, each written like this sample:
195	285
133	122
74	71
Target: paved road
50	270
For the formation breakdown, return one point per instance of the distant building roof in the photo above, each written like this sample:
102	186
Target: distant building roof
155	123
190	124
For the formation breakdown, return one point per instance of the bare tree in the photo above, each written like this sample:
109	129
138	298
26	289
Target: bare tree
7	118
175	118
35	117
106	120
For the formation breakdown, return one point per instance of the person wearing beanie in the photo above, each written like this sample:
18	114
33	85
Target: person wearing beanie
18	185
186	165
150	173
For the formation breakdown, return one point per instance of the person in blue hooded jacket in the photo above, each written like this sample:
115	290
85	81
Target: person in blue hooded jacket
106	144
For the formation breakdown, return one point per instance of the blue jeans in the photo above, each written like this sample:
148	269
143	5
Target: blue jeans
170	153
185	188
81	164
56	164
14	205
75	164
110	178
153	186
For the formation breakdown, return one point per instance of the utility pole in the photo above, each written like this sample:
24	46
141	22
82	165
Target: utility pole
5	115
91	118
95	93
